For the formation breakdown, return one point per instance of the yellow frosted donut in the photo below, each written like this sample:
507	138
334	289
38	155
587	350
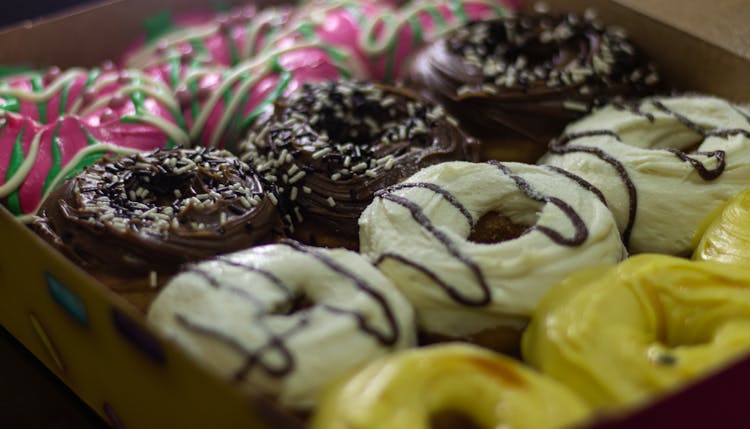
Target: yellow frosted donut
619	335
453	385
726	237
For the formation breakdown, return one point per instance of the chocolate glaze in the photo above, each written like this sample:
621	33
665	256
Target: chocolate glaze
276	341
530	75
330	146
154	211
485	294
561	146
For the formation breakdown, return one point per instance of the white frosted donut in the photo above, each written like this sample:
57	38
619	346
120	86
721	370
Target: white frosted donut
663	165
285	319
416	232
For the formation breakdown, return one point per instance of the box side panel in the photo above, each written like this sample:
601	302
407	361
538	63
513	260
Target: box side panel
102	349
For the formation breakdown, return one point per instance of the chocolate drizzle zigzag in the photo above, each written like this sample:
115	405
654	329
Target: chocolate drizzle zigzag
581	232
579	237
419	217
276	342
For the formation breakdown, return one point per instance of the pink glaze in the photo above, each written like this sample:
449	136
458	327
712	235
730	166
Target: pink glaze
293	49
289	69
133	120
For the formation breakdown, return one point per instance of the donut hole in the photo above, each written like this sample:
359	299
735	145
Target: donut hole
360	115
453	419
297	304
495	227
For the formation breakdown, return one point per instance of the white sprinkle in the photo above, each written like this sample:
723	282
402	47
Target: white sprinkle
245	202
273	199
359	167
335	176
389	164
152	279
306	189
297	177
575	105
223	218
177	193
293	193
321	153
331	201
298	214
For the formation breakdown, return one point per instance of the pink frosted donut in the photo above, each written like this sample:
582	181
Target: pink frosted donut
55	123
377	33
219	106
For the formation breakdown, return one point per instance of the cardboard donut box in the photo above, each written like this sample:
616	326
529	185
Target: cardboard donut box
100	345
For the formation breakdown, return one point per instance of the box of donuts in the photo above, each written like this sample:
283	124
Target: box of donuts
339	214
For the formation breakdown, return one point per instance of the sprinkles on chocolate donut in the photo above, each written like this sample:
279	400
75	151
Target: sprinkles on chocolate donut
153	211
530	75
330	146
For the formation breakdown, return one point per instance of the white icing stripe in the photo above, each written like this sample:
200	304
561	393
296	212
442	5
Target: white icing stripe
18	177
48	93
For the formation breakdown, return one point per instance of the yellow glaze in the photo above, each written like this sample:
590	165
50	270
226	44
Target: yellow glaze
726	236
408	389
619	335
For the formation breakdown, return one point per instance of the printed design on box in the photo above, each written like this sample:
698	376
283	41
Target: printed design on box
138	336
112	418
47	342
68	300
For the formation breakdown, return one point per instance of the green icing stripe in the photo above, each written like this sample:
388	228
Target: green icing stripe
56	166
416	29
10	104
234	54
16	159
158	25
138	98
307	31
62	107
174	71
37	83
200	47
436	16
284	78
93	75
457	6
391	59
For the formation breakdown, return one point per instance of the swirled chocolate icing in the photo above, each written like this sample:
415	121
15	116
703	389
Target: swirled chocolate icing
530	75
330	146
153	211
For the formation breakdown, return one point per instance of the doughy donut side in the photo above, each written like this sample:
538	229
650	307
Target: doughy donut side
418	237
284	319
690	151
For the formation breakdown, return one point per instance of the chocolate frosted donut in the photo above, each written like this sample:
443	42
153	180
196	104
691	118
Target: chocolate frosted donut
330	146
516	82
150	212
